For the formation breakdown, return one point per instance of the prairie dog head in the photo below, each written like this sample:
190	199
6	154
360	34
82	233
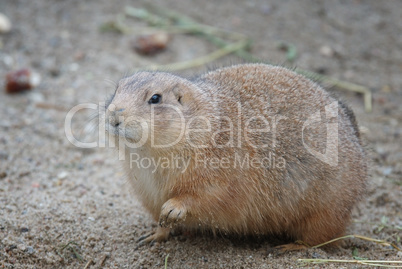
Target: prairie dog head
151	108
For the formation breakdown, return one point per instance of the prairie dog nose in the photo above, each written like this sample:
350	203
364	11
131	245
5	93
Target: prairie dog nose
114	115
114	121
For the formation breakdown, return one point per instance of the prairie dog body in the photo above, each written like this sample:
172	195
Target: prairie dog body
248	149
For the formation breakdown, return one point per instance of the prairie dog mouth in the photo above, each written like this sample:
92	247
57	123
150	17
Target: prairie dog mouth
130	128
113	130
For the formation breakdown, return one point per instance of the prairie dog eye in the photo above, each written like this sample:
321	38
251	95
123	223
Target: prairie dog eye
155	99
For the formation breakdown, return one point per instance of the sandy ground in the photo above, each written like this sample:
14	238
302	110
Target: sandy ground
62	206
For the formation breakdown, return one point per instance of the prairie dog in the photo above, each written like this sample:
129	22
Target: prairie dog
249	149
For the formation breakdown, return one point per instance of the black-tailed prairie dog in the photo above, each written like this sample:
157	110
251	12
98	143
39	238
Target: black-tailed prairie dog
249	149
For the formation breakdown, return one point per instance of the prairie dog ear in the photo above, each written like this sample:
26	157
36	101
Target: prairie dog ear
182	93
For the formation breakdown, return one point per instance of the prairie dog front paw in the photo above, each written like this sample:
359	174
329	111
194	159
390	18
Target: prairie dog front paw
161	234
172	212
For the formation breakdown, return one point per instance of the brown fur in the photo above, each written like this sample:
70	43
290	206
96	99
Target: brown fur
306	200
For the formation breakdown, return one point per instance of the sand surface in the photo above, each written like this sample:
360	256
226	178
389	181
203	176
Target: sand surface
63	207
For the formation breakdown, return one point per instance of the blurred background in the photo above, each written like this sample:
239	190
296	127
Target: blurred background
65	207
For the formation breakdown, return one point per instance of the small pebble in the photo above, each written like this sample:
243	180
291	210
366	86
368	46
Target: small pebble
36	97
349	75
79	55
327	51
315	255
322	70
386	171
10	248
150	44
21	80
5	24
386	89
30	250
74	67
62	175
364	129
54	71
8	60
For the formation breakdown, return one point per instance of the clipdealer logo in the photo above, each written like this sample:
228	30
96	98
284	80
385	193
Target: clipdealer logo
268	125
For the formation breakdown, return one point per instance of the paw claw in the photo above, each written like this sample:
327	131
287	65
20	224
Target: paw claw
161	234
144	237
172	212
167	216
